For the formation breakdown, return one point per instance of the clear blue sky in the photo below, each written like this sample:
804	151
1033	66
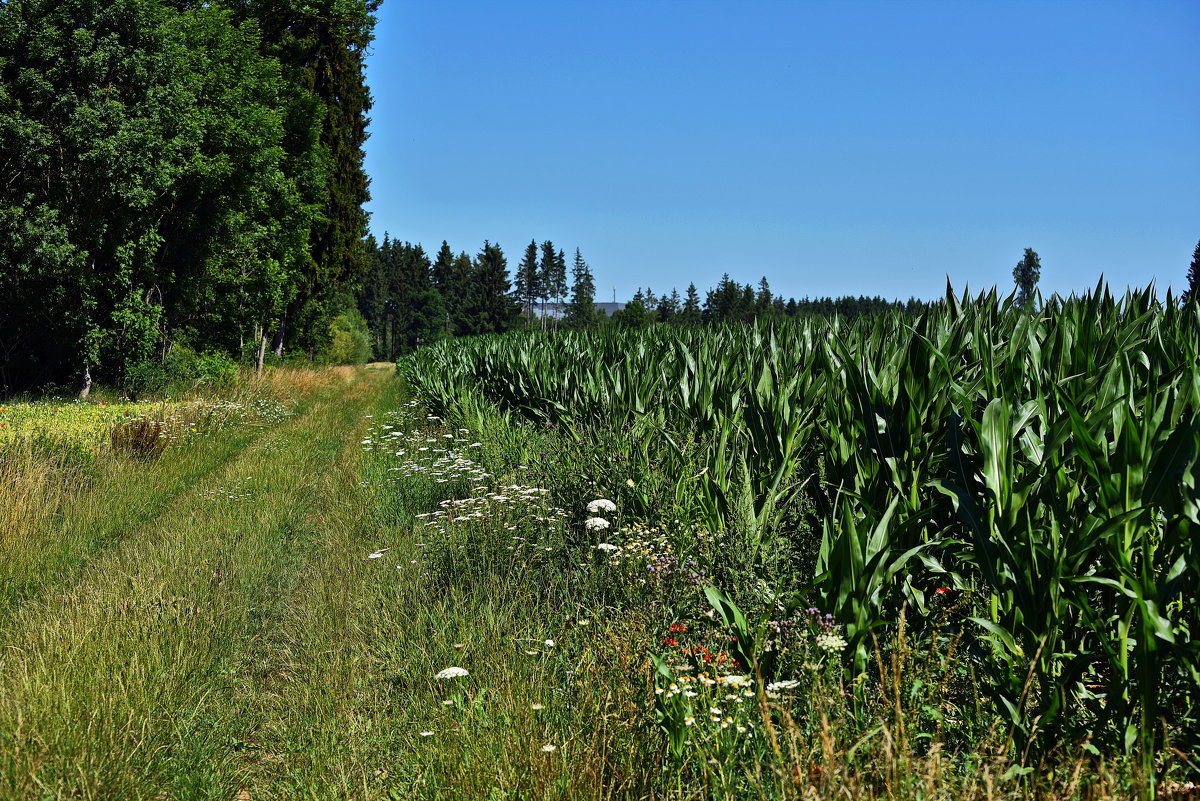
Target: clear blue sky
838	148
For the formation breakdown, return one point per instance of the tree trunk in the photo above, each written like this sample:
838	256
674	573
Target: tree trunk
262	352
85	384
277	345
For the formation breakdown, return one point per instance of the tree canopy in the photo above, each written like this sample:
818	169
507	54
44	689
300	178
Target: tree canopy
169	173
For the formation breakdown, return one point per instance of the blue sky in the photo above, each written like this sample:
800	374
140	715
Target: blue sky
838	148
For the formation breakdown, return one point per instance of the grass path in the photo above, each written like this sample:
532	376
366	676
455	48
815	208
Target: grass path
127	497
227	638
124	678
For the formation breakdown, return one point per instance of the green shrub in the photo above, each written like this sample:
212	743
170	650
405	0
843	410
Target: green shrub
349	340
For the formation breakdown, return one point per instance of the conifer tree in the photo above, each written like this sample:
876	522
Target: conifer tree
458	291
546	273
1193	276
581	311
559	277
528	289
443	273
668	308
322	46
763	300
491	308
691	314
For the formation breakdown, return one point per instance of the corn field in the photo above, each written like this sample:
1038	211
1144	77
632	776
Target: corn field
1043	463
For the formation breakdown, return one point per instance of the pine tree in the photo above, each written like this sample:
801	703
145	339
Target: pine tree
581	311
1193	277
1026	275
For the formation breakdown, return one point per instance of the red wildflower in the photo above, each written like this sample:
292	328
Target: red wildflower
669	641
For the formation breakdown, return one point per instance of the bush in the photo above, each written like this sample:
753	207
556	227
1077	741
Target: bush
349	340
183	369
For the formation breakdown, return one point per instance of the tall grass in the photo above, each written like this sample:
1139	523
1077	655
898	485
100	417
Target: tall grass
1042	463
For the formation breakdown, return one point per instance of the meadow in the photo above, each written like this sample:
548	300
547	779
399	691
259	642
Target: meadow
948	556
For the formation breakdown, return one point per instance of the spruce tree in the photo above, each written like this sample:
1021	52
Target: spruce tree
559	277
373	296
443	276
1193	277
547	268
322	46
691	314
581	311
763	300
459	295
528	289
491	306
668	308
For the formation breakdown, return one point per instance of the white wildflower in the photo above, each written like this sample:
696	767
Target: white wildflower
601	505
548	748
595	524
607	546
780	686
452	673
833	643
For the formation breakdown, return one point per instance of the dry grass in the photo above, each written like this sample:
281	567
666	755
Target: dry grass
34	481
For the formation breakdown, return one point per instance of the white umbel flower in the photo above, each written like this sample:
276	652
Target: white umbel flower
833	643
596	524
780	686
607	546
601	505
452	673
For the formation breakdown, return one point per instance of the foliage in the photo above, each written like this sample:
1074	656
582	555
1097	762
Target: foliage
1044	462
1026	275
1193	276
581	311
162	177
349	340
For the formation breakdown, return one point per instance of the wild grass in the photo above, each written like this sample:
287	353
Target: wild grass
263	613
120	682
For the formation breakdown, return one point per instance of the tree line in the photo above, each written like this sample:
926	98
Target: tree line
408	299
176	174
186	176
